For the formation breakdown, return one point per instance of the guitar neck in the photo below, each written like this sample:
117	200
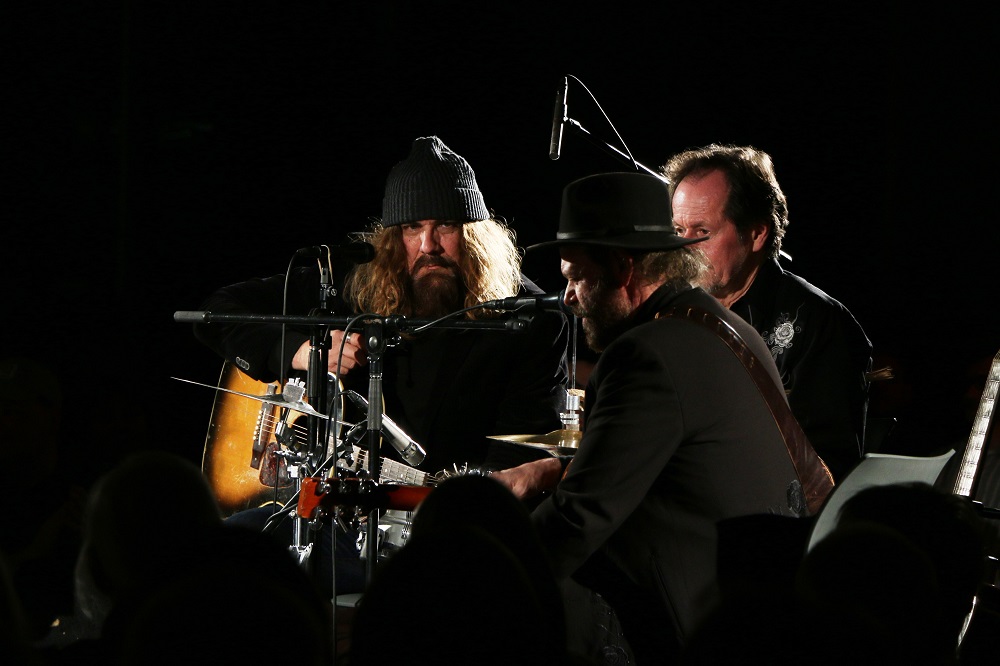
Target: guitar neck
980	428
390	471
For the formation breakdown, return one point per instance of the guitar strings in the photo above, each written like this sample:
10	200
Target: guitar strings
300	433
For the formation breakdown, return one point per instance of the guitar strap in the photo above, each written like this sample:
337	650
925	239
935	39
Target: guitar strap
813	474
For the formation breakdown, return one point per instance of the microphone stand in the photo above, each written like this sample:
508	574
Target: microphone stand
607	147
316	388
374	331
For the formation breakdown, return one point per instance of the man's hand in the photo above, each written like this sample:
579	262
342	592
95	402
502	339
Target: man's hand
354	354
531	479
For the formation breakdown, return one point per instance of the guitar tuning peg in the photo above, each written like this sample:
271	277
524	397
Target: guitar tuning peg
316	523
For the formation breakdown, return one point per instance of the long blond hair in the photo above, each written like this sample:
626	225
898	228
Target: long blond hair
489	268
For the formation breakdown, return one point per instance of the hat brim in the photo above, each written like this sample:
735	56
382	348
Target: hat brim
647	241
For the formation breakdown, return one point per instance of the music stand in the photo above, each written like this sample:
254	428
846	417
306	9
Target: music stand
875	469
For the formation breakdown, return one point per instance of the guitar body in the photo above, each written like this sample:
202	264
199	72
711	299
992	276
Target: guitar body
239	460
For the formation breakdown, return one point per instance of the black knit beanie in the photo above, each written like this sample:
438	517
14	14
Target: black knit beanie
433	183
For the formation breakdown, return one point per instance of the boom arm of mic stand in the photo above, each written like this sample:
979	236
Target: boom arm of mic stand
397	322
607	147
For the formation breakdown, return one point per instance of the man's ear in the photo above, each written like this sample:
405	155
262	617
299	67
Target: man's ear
759	235
622	267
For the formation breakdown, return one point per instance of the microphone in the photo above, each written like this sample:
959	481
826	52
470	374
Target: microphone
541	302
558	118
409	450
356	253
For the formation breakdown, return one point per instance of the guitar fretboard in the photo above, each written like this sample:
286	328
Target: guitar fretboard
980	427
390	471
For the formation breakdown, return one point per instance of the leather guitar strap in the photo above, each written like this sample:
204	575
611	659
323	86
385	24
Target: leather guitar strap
815	477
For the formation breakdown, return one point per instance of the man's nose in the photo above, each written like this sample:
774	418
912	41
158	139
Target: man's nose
569	296
430	241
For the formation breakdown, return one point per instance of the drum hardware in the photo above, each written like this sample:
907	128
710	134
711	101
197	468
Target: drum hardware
562	442
573	409
277	399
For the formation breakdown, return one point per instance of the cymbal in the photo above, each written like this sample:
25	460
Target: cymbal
274	399
557	442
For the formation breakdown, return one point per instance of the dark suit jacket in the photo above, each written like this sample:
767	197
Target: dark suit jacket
676	438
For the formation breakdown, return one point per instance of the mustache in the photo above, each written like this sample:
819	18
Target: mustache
432	260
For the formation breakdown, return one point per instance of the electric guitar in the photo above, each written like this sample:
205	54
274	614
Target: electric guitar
967	473
965	486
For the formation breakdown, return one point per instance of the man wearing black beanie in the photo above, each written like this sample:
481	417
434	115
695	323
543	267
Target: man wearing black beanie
438	249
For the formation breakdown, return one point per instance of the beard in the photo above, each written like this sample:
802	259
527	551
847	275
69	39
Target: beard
605	317
434	293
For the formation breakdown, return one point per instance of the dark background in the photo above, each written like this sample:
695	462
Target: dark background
156	151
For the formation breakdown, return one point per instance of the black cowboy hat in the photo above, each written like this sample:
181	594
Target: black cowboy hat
623	210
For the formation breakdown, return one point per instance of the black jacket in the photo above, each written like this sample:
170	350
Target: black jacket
677	437
823	356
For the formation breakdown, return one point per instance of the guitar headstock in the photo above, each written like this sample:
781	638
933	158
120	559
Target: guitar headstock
456	470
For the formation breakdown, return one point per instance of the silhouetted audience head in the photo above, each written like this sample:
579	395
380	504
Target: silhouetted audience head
166	582
471	585
481	502
943	525
892	582
148	515
897	575
245	602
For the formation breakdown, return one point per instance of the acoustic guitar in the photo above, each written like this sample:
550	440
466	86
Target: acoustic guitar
240	459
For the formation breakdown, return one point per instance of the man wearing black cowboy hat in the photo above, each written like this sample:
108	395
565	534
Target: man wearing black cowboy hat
677	435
